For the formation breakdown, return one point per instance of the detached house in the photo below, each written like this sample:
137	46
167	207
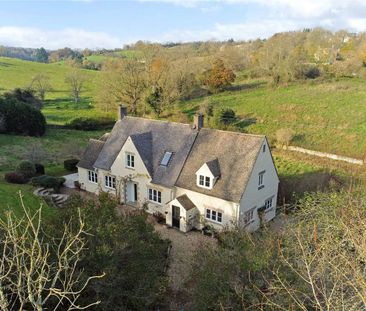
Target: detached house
193	176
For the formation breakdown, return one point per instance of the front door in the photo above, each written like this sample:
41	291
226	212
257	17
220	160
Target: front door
176	216
131	192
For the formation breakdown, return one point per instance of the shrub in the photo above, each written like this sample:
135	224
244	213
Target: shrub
70	164
48	182
39	169
21	118
284	136
224	117
77	184
15	178
311	72
27	169
160	218
90	124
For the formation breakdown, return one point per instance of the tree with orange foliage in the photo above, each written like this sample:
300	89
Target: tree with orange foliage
218	76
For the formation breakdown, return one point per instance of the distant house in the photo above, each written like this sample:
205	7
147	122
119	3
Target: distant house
191	175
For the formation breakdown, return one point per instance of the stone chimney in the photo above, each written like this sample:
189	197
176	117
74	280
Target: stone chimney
122	112
198	121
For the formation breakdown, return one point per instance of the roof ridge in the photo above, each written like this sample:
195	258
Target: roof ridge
236	133
155	120
98	140
205	128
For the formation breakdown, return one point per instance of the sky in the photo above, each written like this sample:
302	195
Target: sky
111	24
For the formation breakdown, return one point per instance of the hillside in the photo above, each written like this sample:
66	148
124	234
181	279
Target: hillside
326	115
59	107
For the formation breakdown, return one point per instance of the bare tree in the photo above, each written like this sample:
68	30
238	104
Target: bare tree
76	82
39	272
122	81
41	84
321	259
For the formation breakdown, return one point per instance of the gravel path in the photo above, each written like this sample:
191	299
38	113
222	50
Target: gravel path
184	245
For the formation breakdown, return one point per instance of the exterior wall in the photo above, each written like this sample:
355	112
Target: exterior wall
187	221
85	184
254	198
140	176
228	209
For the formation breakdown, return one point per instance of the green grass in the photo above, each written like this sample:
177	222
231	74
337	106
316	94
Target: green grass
326	116
59	107
57	145
288	168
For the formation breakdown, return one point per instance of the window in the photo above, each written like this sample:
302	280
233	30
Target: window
214	215
154	195
268	204
166	159
204	181
249	216
130	160
110	182
93	177
260	180
264	148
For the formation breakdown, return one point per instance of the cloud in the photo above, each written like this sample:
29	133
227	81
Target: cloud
73	38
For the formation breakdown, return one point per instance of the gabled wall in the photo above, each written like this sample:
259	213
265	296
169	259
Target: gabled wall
139	175
254	198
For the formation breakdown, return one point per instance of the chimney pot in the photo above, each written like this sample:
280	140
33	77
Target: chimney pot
122	112
198	121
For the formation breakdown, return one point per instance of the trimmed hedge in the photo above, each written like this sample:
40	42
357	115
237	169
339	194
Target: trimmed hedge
70	164
90	124
26	168
39	169
15	178
48	182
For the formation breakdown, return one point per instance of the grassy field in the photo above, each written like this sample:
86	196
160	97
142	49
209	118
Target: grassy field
59	107
326	116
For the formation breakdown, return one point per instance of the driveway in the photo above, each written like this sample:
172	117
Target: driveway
70	180
184	246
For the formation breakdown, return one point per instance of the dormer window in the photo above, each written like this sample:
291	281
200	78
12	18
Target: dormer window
204	181
208	174
130	160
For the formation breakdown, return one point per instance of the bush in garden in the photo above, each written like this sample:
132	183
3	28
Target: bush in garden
39	169
90	124
48	182
27	169
15	178
70	164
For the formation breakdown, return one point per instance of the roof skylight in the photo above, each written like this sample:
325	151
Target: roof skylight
166	159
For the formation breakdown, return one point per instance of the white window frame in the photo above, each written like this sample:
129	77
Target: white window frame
154	195
92	177
261	180
110	182
204	179
214	215
268	204
130	160
249	216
